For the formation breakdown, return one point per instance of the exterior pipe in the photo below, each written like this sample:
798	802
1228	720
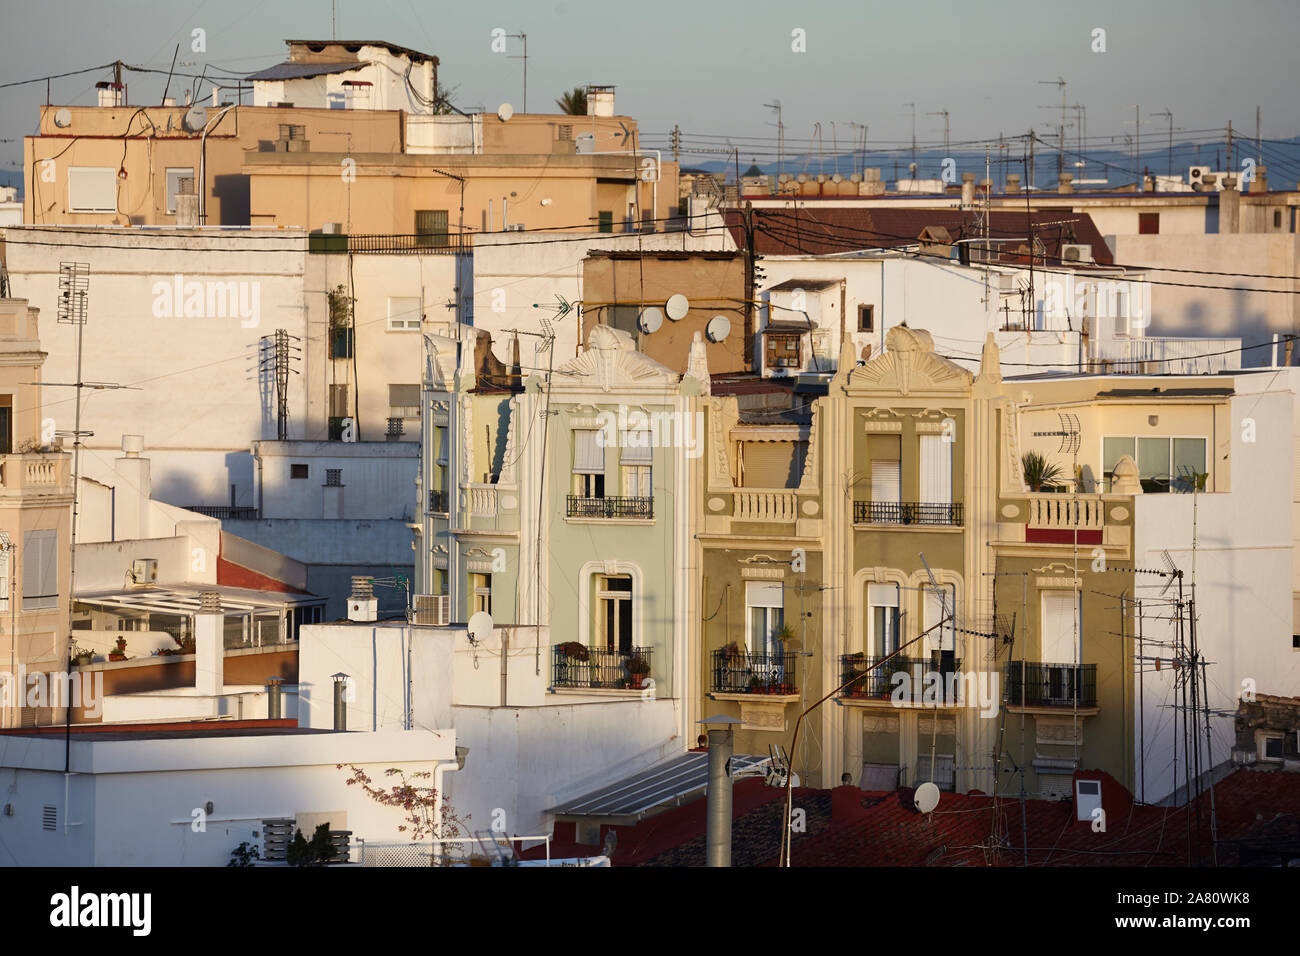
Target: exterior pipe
203	153
719	798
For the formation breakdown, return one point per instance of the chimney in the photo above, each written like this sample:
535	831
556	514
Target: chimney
600	101
209	645
110	94
1229	206
1013	182
362	606
1260	183
216	96
131	499
967	189
1065	183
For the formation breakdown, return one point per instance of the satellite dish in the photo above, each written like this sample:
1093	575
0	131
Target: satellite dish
196	117
719	328
584	143
504	112
677	306
63	118
651	320
480	627
926	797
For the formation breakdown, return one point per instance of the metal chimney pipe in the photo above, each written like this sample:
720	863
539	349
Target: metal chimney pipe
340	705
719	799
274	691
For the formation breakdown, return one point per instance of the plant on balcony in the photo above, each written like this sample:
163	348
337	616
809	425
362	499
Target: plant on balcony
638	668
730	654
120	653
82	656
575	651
1039	472
755	685
424	815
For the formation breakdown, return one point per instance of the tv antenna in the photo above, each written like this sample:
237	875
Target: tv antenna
1068	432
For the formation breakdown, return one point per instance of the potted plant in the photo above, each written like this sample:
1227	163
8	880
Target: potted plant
638	668
119	654
1039	472
82	656
185	645
755	685
730	654
575	651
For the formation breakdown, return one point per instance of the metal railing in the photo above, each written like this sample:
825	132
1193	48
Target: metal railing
906	512
224	512
875	681
396	428
738	673
1032	684
577	665
494	850
580	507
427	243
439	502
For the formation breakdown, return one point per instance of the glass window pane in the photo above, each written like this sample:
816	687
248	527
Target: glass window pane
1153	458
1113	449
1189	459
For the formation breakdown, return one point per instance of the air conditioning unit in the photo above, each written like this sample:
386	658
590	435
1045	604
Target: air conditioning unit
144	570
515	227
1196	175
1076	252
432	609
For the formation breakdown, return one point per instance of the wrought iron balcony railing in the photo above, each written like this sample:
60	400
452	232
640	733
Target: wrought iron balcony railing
225	512
577	665
906	512
739	673
438	502
1032	684
876	681
580	507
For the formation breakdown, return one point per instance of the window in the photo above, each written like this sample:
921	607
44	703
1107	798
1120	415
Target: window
1061	628
939	603
866	318
431	228
1277	218
936	469
772	464
1164	464
614	600
92	189
334	477
480	586
297	471
605	218
588	464
341	342
338	401
4	580
40	570
764	617
943	774
1148	223
174	176
1270	747
886	487
403	313
782	351
403	401
882	619
6	424
636	461
624	318
564	132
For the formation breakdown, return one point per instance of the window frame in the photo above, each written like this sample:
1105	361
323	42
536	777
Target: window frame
1108	476
34	576
869	310
404	323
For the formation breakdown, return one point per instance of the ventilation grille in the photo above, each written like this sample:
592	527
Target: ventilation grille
276	835
433	609
49	818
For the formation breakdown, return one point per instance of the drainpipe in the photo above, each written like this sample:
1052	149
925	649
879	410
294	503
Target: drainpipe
441	767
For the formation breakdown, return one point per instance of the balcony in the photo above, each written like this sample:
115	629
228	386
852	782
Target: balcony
1032	685
580	507
907	513
579	666
437	243
779	506
438	502
875	681
737	673
35	473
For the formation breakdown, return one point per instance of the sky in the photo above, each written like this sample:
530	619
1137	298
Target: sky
709	68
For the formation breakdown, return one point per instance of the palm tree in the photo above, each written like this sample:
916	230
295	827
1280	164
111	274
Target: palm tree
573	103
1039	473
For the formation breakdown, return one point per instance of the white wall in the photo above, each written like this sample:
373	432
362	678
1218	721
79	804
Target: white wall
377	477
1243	562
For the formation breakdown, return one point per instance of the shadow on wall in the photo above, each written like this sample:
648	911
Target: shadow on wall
232	191
334	583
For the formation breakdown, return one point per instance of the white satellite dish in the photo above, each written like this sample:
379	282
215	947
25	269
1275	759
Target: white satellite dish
504	112
196	117
926	797
677	306
651	320
63	118
480	627
719	328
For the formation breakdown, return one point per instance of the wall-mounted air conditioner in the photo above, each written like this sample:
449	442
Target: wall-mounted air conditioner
144	570
1076	252
1087	798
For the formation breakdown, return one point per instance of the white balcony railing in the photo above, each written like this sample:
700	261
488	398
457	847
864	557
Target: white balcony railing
1066	511
1175	356
765	506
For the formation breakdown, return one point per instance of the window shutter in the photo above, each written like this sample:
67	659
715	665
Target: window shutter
763	594
589	454
639	454
1057	637
882	595
92	189
773	464
936	470
886	484
40	569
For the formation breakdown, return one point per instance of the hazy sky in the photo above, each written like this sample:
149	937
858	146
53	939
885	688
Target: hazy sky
710	66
